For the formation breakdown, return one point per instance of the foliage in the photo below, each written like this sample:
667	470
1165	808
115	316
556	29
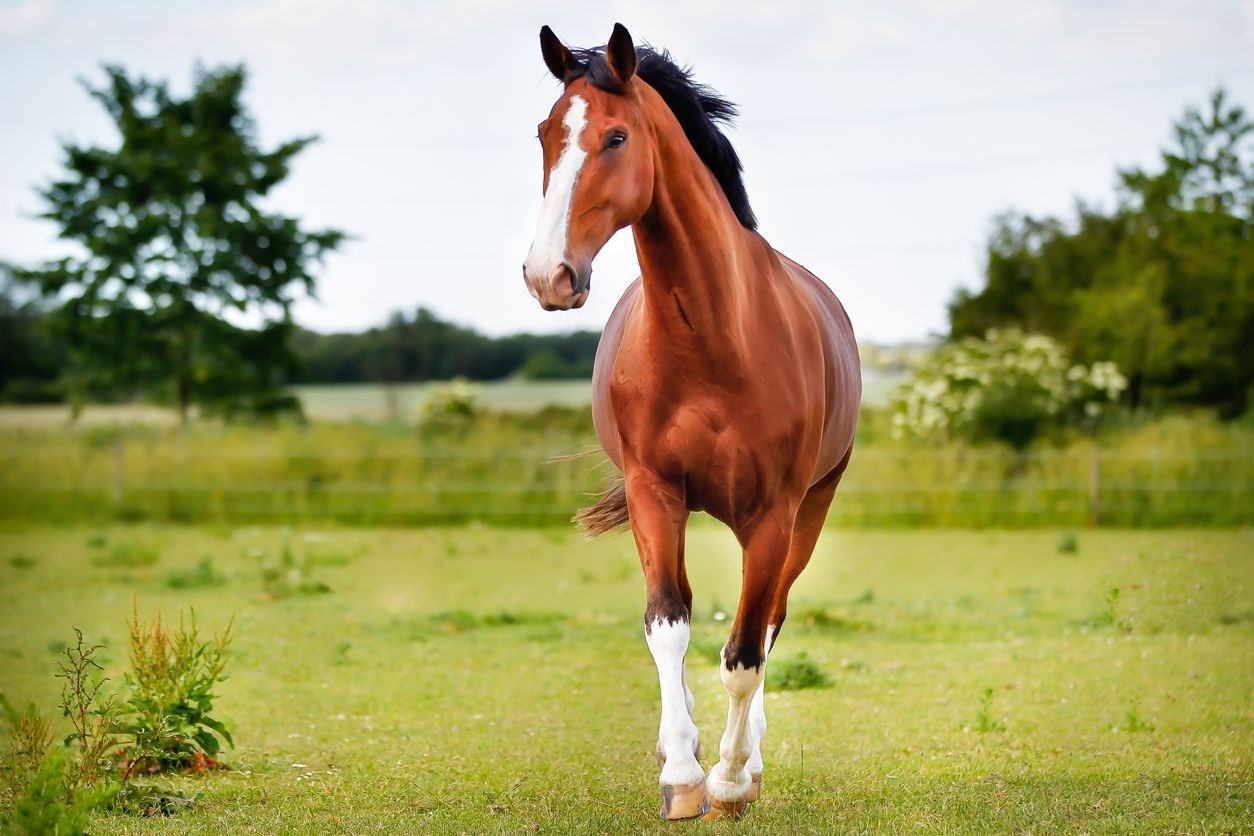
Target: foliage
172	686
52	804
30	736
93	717
1008	386
1161	284
30	359
175	244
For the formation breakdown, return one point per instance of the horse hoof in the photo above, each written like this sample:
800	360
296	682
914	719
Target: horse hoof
755	788
725	810
684	802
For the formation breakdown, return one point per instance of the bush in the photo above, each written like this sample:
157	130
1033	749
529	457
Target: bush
1008	387
454	401
30	737
173	681
51	804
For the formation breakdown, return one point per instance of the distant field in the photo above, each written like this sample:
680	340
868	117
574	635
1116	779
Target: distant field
495	680
375	402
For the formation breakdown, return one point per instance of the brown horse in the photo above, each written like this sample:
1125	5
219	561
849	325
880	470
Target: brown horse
726	381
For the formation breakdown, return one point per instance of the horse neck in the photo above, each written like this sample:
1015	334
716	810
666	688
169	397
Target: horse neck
693	250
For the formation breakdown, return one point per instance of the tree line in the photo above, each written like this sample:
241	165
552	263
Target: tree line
35	364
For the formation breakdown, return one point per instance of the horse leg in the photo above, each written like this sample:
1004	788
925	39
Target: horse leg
765	545
810	518
658	518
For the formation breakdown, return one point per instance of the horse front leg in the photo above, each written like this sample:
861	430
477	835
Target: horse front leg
658	517
730	783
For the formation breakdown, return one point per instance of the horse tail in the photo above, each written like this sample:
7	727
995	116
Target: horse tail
607	514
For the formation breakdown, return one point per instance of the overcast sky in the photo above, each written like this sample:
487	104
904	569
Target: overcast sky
879	138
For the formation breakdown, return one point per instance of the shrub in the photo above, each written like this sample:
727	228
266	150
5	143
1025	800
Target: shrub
172	683
52	804
30	737
94	718
1008	386
452	402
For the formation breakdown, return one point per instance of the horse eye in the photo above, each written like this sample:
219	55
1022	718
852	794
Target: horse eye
615	140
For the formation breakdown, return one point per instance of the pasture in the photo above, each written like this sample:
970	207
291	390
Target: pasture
495	680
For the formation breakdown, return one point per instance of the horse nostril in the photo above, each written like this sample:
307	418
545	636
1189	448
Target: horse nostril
562	282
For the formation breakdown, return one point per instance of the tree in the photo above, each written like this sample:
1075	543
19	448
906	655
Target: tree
1163	285
177	248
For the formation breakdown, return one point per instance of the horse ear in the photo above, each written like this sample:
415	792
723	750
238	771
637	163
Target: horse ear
556	55
620	52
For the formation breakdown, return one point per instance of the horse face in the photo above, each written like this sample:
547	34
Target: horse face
598	175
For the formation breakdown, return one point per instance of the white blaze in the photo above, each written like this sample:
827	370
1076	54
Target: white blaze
548	249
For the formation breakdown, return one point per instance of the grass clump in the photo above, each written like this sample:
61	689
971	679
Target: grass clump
831	622
1133	722
201	576
1068	543
795	673
128	554
291	576
21	560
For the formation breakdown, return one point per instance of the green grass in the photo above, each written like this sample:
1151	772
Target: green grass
496	680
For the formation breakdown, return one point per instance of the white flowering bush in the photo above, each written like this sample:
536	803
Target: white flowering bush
1008	386
455	400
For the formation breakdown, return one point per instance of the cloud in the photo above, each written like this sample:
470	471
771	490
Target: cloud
25	18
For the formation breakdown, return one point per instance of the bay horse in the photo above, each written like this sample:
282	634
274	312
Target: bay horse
726	380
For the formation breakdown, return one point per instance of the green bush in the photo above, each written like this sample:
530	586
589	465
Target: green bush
795	673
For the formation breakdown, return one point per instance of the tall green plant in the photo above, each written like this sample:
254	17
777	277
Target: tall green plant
172	687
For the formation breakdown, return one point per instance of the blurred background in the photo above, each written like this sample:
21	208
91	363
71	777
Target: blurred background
266	352
276	230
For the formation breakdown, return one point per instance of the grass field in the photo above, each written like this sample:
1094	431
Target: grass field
496	680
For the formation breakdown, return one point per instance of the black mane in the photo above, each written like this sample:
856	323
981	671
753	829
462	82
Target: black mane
699	109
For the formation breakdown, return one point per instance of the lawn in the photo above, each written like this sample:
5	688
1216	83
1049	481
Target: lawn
492	680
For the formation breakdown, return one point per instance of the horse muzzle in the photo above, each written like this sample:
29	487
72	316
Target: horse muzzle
563	289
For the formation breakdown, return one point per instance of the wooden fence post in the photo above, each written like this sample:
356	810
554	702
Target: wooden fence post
1095	482
119	476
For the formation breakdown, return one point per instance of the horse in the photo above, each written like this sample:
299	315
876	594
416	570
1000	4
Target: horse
726	380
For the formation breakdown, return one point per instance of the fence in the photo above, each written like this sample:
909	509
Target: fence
194	479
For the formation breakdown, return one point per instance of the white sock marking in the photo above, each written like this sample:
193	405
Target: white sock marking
548	249
757	712
729	779
677	734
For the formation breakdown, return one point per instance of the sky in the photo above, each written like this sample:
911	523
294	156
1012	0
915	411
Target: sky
879	138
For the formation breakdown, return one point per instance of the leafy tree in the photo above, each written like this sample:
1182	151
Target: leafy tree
176	248
1161	285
